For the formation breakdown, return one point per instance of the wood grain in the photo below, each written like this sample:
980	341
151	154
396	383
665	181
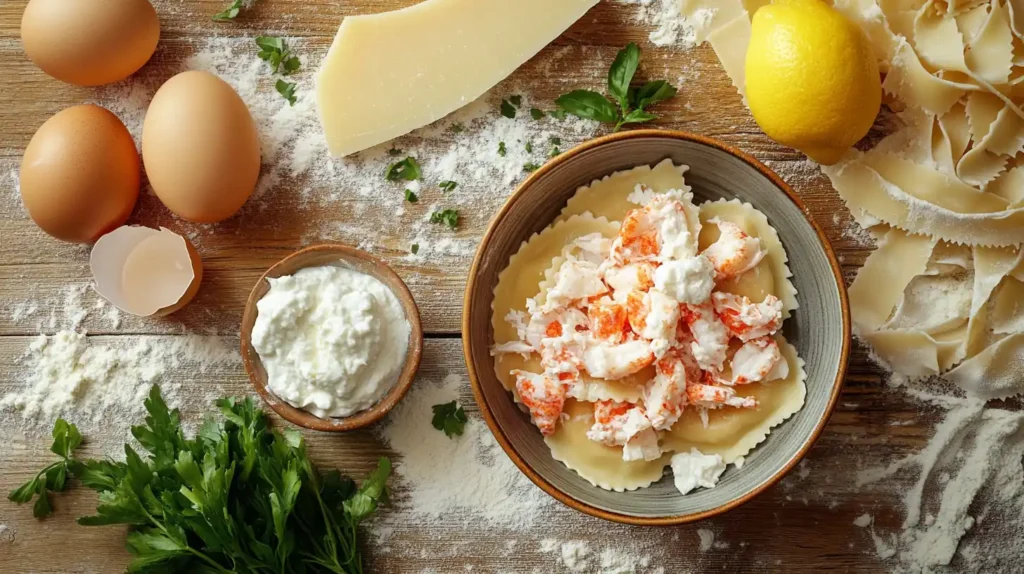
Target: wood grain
805	524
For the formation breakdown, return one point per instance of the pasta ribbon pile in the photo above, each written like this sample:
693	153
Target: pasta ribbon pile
944	195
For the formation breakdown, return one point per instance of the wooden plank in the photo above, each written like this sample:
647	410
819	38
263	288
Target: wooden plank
772	529
237	251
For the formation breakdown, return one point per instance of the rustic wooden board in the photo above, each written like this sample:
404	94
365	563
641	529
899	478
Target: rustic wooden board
805	524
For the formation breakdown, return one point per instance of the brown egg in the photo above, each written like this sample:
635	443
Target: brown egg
200	147
90	42
80	174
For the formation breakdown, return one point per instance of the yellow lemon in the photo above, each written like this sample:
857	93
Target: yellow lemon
811	78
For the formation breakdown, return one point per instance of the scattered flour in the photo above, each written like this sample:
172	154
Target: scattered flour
466	475
578	556
671	27
70	374
707	539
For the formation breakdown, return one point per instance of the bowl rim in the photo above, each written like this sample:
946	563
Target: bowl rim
499	434
413	354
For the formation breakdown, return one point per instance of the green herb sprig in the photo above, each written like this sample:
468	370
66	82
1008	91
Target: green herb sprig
631	103
54	477
449	418
231	12
287	90
449	217
239	497
275	51
407	169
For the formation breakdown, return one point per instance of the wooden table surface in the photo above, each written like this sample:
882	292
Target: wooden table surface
804	524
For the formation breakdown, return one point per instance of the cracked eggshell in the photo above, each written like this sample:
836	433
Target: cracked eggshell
146	272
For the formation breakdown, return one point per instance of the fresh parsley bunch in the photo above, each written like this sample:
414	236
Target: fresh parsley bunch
632	103
239	497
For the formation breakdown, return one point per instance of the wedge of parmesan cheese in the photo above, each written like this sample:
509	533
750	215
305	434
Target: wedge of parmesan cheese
388	74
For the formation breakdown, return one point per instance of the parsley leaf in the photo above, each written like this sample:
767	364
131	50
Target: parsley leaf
449	418
632	101
555	140
508	110
449	217
536	114
448	186
411	196
287	90
554	151
231	12
240	496
529	147
275	51
501	149
516	100
407	169
52	478
415	248
530	167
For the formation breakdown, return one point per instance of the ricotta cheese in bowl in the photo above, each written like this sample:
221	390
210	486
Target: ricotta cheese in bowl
332	340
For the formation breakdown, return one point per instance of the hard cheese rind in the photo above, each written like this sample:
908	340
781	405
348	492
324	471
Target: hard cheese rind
388	74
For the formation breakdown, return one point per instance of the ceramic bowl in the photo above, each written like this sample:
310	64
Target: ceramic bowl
820	328
357	260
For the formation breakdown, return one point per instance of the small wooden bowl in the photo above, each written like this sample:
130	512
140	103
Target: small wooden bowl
357	260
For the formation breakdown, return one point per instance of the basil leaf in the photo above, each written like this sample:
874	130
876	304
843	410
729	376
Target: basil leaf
536	114
635	117
588	105
621	74
654	92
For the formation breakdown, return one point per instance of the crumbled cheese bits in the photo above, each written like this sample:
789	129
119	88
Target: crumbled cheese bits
943	196
655	335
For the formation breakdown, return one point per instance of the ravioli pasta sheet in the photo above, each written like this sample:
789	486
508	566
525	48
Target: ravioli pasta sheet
596	463
535	270
944	196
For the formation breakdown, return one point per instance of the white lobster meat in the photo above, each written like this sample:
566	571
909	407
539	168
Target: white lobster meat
625	425
544	396
574	281
710	337
758	360
746	320
653	316
735	252
665	395
610	361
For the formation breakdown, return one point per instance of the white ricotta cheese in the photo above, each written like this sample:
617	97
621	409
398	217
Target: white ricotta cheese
689	280
332	340
695	469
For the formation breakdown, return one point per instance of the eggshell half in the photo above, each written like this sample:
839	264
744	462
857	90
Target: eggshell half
80	174
90	42
145	271
200	147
